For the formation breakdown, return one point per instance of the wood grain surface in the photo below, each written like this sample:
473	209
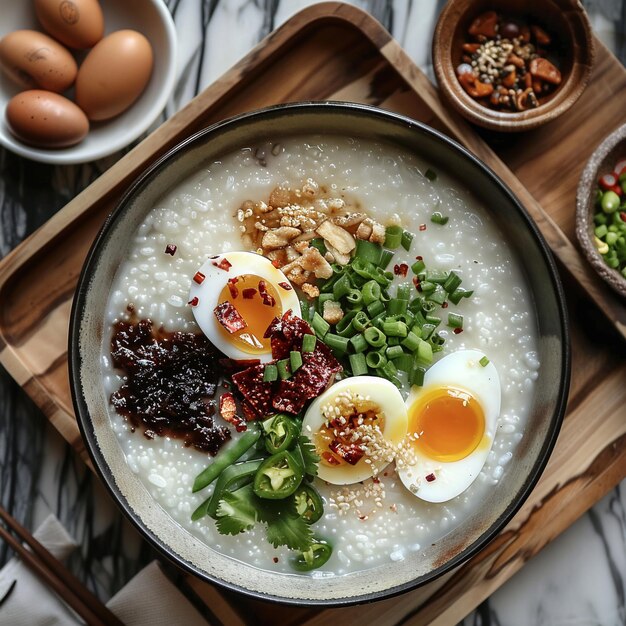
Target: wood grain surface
335	51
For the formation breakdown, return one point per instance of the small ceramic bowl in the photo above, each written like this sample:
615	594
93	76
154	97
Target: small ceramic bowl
602	161
573	43
150	17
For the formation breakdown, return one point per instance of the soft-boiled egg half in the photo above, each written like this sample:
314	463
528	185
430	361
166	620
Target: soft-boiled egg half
355	426
234	298
452	421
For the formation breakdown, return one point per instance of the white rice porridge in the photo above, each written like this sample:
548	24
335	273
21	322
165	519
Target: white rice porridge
198	216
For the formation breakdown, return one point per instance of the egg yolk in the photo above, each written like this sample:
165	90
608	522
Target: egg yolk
449	424
257	301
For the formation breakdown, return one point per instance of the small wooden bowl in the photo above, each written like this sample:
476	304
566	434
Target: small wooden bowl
602	162
565	19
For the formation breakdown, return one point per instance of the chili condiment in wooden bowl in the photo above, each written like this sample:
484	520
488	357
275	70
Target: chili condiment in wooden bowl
512	65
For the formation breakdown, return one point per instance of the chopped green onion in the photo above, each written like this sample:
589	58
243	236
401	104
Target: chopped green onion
424	352
404	363
374	337
371	292
427	330
336	343
270	373
385	258
295	360
393	236
323	297
418	266
427	287
283	369
434	320
457	294
319	325
411	341
354	296
406	240
403	292
341	288
308	343
394	352
389	370
484	361
368	251
359	343
358	364
396	306
438	218
375	308
455	320
393	328
360	321
439	295
305	309
417	376
437	276
430	174
452	282
375	359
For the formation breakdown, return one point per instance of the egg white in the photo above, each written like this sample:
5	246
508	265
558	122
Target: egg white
461	369
209	290
378	390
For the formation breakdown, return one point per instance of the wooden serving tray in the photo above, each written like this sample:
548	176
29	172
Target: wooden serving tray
334	51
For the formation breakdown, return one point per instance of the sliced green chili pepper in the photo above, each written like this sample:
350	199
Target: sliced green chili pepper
281	431
278	477
234	474
309	504
227	457
314	557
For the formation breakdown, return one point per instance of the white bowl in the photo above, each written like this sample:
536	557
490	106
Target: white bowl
149	17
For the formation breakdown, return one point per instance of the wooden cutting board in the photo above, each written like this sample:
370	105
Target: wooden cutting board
334	51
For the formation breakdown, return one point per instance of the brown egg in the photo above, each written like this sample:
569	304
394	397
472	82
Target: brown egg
46	119
33	59
114	74
76	23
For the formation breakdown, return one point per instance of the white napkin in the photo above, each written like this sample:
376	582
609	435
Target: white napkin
149	599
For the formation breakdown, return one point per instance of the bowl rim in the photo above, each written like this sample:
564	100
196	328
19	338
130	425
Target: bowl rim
519	121
585	209
88	432
68	156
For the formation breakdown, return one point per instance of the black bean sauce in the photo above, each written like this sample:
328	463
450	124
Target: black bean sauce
171	380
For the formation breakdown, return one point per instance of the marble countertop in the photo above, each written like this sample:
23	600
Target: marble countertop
580	578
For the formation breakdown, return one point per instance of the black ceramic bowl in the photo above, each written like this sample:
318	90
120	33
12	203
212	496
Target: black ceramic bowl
88	329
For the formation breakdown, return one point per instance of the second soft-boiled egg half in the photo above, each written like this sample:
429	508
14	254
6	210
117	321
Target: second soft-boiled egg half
234	298
355	426
452	421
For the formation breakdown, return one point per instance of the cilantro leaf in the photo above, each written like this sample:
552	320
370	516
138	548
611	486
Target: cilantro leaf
288	530
237	511
309	456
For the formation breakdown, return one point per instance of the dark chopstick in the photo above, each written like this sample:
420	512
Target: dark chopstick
57	576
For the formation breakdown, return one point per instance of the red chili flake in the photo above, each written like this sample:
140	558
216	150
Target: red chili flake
622	214
276	263
400	270
199	278
430	478
457	331
194	301
419	258
416	282
444	305
617	189
229	317
170	249
224	264
234	292
350	453
285	286
330	459
275	559
248	294
422	227
607	181
375	480
268	298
